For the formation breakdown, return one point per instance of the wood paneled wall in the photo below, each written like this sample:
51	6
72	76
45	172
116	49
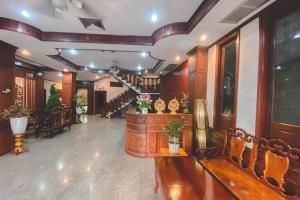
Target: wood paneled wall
197	62
190	77
173	84
7	62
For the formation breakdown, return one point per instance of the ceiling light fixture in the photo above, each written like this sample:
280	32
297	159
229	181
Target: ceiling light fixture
100	71
203	37
66	70
97	77
278	67
39	73
154	18
297	36
25	52
86	69
60	74
25	13
144	54
177	58
92	65
73	52
18	63
139	67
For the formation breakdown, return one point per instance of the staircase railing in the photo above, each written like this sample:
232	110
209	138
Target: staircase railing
119	102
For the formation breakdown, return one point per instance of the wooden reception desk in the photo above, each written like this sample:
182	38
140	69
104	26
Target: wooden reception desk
144	136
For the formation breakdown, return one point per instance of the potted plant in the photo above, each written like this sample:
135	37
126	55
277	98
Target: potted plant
79	102
144	103
53	100
174	130
18	117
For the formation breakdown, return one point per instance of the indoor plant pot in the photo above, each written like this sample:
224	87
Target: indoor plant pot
174	130
18	124
78	110
145	110
174	145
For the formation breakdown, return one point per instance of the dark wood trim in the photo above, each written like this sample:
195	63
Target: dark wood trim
218	80
65	61
162	32
266	62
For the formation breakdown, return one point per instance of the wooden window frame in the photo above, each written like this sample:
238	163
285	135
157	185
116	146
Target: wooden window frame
219	80
266	62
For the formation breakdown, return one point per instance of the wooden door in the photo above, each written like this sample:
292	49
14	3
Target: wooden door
100	101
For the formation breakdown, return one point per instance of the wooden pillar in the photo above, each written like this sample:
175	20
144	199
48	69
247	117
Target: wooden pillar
7	64
39	91
197	63
69	90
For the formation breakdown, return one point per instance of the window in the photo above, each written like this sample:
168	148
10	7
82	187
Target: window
286	70
226	83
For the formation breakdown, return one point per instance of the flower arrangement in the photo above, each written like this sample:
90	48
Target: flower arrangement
144	103
79	100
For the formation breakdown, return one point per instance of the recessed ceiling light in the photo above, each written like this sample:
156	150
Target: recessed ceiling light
92	65
66	70
40	73
144	54
177	58
97	77
25	13
154	18
25	52
73	52
86	69
139	67
297	36
100	71
59	50
60	74
18	63
160	72
203	37
278	67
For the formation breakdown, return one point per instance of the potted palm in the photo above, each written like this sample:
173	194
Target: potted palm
79	102
144	103
18	117
174	130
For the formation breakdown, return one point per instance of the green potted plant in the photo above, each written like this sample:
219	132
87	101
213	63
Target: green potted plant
174	129
79	102
53	100
18	117
144	103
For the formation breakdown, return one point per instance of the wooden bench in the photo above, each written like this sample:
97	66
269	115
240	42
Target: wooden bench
249	169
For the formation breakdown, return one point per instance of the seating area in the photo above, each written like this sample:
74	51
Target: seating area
150	99
249	168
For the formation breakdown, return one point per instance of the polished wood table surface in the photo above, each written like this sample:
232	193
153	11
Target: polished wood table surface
183	178
144	137
164	152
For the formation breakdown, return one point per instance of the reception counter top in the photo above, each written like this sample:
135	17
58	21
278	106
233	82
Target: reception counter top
144	137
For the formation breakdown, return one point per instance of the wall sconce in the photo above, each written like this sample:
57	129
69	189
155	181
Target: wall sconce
6	91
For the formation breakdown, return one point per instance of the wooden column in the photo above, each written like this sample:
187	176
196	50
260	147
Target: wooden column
69	90
39	90
7	63
197	74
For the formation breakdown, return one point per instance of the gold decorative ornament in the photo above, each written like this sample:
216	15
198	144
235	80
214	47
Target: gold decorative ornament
185	103
173	106
159	106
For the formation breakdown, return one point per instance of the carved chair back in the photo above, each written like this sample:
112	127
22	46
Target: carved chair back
273	162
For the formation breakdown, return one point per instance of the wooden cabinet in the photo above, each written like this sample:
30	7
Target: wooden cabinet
144	136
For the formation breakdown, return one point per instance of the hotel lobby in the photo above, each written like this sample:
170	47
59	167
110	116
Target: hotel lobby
150	100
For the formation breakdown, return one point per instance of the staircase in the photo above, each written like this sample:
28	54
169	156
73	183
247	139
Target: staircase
119	102
140	84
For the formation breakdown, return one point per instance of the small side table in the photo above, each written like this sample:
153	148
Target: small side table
164	152
19	146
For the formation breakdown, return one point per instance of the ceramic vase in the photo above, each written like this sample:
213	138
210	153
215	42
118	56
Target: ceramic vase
18	125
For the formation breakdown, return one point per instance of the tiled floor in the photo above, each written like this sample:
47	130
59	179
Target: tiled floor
87	162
